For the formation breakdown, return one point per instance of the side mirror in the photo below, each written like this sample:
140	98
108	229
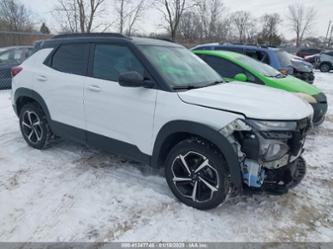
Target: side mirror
241	77
134	79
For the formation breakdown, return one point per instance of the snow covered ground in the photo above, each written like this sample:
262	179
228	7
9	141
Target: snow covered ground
72	193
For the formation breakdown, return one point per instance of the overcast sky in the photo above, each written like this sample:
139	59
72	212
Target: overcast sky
151	21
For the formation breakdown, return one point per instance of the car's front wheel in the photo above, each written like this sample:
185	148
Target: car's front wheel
34	126
197	174
325	67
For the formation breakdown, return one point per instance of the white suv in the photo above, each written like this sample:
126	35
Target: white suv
155	102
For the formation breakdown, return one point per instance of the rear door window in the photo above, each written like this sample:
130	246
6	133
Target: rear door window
71	58
111	60
258	55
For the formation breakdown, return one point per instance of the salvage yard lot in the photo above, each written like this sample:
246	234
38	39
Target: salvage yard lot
72	193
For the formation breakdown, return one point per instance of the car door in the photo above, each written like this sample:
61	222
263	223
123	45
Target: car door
61	83
116	116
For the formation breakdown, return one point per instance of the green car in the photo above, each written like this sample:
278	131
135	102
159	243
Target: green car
237	67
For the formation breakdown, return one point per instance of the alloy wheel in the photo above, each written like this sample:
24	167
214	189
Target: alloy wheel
31	127
194	177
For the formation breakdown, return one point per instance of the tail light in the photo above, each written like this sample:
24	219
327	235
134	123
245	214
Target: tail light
15	71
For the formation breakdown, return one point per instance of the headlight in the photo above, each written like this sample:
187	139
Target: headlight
273	136
308	98
272	125
272	149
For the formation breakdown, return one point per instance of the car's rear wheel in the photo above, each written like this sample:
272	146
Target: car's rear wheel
34	126
197	174
325	67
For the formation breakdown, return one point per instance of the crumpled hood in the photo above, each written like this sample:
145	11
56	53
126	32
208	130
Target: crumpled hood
253	101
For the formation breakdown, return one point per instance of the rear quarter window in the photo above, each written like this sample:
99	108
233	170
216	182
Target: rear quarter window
71	58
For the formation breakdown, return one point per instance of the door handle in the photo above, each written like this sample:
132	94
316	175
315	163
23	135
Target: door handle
42	78
94	88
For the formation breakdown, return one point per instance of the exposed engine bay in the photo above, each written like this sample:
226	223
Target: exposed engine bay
269	152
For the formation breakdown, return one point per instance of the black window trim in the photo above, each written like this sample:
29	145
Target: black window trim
160	83
49	59
92	58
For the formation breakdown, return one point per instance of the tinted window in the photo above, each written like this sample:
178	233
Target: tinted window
223	67
5	56
112	60
258	55
72	58
19	55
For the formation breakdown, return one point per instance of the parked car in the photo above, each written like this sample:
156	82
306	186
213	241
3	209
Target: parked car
156	102
303	52
313	59
274	57
326	61
302	69
234	66
10	57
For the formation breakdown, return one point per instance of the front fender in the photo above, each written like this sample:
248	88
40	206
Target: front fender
209	134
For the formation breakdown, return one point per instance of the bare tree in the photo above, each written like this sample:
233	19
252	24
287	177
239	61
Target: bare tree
244	25
78	15
14	16
269	34
129	13
172	11
190	27
213	21
301	19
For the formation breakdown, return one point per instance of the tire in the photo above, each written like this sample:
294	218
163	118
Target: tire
204	188
34	127
325	67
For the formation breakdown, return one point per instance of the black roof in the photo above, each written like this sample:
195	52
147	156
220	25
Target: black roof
103	37
88	35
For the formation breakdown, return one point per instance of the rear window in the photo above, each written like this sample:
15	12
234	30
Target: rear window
71	58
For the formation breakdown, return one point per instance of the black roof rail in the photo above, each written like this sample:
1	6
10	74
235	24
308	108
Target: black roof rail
88	35
164	39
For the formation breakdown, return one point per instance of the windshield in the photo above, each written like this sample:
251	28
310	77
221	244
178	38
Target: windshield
179	67
283	58
260	67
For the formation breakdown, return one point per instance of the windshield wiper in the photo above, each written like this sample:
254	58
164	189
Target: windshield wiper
189	87
278	76
215	83
185	87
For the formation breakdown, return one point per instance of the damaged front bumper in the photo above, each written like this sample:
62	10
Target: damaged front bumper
270	152
319	109
279	181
